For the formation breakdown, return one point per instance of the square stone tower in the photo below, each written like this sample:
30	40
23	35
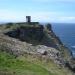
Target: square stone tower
28	19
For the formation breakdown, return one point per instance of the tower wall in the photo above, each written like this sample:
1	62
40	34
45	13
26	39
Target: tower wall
28	19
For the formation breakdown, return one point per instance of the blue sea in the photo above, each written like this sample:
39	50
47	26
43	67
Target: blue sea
66	33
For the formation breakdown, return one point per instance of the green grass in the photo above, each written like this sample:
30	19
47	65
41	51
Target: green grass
48	65
19	25
28	65
9	65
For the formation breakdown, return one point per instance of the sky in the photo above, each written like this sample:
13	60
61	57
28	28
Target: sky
55	11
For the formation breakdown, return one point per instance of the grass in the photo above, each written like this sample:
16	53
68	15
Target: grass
19	25
9	65
28	65
47	64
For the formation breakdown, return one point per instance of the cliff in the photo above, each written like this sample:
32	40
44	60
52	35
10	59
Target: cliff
36	42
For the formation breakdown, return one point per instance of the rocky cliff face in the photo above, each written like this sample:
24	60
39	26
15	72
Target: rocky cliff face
37	40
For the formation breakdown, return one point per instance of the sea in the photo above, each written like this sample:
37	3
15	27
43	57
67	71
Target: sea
66	33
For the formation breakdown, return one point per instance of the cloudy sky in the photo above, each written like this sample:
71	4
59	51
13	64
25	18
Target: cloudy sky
40	10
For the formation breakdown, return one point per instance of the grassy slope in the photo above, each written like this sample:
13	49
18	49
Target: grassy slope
12	66
9	65
47	64
27	65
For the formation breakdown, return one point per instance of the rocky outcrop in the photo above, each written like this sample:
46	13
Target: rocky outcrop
28	34
38	40
17	48
52	53
33	33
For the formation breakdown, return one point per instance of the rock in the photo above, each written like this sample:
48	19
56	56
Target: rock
42	51
52	53
38	40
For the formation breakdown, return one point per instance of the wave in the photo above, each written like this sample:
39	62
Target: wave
72	46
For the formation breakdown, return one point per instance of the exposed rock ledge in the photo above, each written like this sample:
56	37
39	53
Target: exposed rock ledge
39	40
17	48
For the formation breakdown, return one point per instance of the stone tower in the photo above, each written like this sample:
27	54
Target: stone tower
28	19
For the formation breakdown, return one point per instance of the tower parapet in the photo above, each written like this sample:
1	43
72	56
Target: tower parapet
28	19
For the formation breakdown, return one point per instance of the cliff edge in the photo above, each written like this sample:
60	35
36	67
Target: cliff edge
37	42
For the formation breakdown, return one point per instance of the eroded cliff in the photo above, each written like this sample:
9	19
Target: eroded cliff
40	41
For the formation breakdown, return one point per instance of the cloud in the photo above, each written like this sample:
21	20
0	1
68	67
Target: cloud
67	18
13	16
45	1
64	19
8	15
54	0
20	16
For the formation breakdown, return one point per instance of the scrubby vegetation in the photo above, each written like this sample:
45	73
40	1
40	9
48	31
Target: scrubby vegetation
9	65
31	49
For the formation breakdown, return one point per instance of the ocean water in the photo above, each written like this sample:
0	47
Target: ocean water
66	33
